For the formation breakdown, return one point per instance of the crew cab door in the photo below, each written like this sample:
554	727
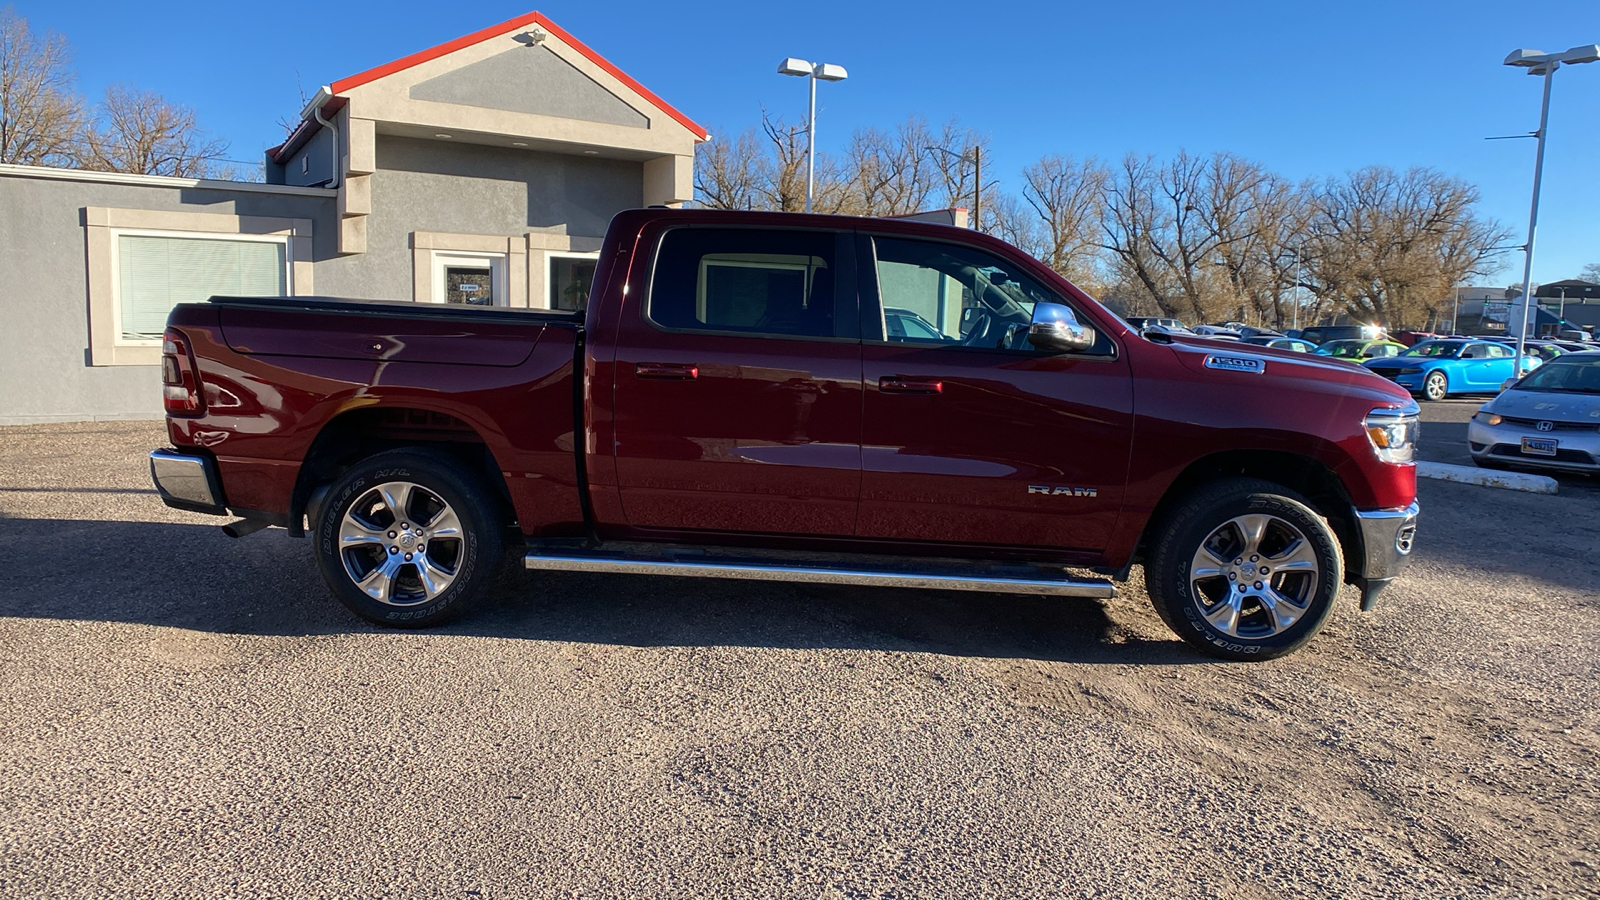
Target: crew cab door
973	437
738	384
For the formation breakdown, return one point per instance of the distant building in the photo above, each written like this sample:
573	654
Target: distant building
481	171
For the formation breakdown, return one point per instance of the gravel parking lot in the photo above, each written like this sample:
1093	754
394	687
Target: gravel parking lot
187	715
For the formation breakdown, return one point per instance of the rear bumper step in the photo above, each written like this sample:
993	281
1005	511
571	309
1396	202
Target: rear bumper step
1035	581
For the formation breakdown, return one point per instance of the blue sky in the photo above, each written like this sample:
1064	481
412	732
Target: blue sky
1309	89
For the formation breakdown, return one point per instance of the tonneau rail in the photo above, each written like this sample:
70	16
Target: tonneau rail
407	308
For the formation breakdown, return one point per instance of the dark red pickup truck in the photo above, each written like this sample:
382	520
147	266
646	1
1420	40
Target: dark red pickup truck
804	398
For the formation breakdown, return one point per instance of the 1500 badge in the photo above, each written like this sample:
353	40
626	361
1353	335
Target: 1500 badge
1236	363
1063	491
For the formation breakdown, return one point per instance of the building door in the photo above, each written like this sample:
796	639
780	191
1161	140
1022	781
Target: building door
469	279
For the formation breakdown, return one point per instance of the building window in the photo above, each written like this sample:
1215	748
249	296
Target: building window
470	279
156	271
570	278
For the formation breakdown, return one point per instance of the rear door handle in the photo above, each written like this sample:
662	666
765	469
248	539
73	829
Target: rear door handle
900	384
667	371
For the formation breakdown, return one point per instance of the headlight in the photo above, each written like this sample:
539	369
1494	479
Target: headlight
1487	418
1393	433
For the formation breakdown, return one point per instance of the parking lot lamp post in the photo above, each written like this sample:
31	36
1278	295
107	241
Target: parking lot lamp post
826	72
1545	64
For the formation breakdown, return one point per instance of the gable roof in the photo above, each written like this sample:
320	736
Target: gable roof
309	126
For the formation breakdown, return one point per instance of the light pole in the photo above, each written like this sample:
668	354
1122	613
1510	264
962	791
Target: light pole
977	180
1546	64
826	72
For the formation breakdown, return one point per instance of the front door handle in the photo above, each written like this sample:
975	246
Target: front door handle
667	371
900	384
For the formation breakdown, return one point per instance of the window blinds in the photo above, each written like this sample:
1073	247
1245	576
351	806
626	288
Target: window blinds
157	272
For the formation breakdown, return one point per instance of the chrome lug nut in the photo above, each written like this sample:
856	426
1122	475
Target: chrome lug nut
1258	584
408	557
394	549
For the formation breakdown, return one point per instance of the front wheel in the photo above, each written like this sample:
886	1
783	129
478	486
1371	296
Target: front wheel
1244	569
1436	386
408	538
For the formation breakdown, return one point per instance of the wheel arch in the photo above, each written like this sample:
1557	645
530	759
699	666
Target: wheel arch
1306	476
357	434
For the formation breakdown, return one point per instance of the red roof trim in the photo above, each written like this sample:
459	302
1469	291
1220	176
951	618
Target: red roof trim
522	21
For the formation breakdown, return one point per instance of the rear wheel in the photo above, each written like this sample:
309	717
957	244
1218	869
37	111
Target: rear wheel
408	538
1436	386
1244	569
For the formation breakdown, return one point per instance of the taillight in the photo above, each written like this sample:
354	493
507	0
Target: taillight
180	379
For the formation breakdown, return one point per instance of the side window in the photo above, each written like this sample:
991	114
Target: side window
936	293
1499	351
761	282
1475	351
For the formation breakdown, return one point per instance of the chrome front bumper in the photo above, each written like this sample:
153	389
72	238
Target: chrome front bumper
187	482
1387	536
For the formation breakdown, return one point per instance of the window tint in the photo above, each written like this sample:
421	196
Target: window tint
1499	351
762	282
953	295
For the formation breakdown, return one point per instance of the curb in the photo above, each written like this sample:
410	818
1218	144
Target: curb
1516	481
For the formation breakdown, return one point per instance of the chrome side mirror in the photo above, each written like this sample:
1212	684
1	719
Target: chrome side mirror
1056	328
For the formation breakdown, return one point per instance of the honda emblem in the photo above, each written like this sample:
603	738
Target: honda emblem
1546	426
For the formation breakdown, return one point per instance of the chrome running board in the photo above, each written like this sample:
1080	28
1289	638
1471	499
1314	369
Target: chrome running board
1032	580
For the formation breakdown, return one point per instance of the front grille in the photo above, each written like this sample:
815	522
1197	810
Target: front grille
1566	456
1559	426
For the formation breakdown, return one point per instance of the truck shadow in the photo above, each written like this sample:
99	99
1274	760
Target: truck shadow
191	576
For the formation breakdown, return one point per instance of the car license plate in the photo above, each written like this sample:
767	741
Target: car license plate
1539	446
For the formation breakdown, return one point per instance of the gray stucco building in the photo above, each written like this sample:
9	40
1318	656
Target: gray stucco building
480	171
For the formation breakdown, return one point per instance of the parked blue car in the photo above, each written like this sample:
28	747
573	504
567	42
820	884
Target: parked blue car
1437	369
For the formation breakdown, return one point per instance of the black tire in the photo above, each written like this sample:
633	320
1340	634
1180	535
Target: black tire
1205	514
1436	386
440	485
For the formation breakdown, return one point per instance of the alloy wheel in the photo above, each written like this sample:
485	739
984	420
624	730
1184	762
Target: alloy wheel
401	544
1254	576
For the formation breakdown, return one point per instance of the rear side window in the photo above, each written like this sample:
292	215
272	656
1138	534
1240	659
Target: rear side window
760	282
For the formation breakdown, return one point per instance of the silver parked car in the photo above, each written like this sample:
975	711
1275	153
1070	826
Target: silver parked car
1549	419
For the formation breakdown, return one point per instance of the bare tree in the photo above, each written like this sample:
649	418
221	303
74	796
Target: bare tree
1590	273
1130	220
728	171
889	173
142	133
1067	196
41	116
1392	246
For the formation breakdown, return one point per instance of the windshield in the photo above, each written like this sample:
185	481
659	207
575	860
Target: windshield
1436	349
1342	348
1565	376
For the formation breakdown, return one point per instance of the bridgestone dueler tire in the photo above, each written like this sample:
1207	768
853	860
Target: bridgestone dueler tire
1192	520
482	543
